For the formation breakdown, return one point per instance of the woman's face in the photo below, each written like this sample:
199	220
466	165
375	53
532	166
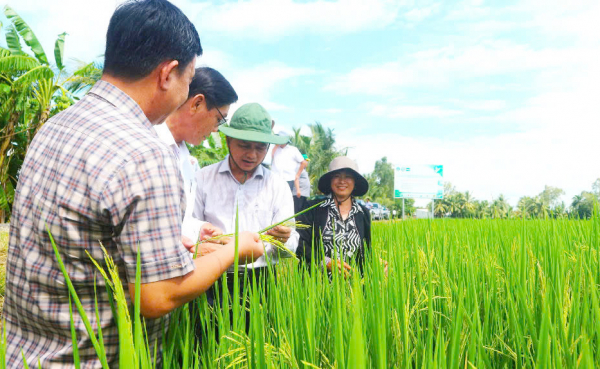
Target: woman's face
342	184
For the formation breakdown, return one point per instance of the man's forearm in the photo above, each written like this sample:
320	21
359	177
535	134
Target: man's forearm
302	167
159	298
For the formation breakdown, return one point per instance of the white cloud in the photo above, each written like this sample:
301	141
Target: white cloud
85	22
480	105
557	145
419	14
409	112
328	111
258	83
274	19
443	67
512	164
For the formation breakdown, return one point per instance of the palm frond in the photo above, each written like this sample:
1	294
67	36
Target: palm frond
84	77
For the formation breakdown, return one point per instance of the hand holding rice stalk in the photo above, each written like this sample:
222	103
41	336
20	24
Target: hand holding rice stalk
266	237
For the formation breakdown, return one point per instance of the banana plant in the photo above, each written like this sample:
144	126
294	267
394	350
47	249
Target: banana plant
31	90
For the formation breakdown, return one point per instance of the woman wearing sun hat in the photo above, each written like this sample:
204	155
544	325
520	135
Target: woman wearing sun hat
341	222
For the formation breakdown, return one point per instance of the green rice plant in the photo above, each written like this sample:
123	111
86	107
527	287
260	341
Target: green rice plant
459	293
265	237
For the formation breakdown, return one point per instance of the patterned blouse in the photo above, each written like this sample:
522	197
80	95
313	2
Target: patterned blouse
344	232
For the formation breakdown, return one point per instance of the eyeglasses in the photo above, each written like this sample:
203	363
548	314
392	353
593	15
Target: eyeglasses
223	120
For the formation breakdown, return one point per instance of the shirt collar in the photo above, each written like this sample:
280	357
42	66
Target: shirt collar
353	210
164	133
119	99
224	168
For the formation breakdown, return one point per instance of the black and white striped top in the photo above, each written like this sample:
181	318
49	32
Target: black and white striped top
340	237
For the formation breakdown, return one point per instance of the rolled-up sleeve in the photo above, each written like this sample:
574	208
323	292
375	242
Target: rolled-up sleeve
144	201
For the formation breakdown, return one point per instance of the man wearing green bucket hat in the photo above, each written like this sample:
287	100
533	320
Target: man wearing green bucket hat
240	185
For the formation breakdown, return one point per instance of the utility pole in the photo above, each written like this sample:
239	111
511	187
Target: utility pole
402	208
432	213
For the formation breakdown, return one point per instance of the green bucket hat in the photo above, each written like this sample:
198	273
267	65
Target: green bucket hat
251	122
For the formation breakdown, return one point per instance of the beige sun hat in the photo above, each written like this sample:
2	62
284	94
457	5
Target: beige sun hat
361	186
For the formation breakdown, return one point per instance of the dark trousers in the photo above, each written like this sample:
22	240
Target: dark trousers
259	277
298	201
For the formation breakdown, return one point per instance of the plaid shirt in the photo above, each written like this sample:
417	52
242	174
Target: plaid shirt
96	172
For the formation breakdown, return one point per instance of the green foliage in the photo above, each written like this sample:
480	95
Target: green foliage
214	153
30	93
59	50
582	206
320	149
459	293
27	34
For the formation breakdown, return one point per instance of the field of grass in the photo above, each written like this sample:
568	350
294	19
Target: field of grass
460	293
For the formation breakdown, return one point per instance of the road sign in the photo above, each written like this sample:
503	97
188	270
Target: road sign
419	182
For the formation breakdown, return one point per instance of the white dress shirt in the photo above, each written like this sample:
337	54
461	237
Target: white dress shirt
188	167
264	199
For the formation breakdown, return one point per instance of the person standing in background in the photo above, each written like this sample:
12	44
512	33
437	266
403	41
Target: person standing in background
203	112
304	185
289	163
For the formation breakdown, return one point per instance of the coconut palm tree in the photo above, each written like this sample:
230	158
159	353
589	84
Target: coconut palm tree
499	208
469	205
301	142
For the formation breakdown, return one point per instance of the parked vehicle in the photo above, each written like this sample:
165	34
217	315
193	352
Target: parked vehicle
376	211
385	213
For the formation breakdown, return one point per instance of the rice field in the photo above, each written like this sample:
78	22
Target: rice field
459	293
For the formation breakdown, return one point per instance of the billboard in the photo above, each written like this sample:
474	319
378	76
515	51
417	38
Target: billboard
419	182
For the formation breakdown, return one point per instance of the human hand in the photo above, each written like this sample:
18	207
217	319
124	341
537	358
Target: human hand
342	266
297	184
206	248
250	247
209	231
385	266
188	243
280	233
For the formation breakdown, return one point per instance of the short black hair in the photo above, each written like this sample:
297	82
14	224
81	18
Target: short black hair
216	89
142	34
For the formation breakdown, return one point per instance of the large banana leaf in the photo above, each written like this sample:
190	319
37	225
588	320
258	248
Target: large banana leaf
27	34
13	41
17	63
59	49
34	75
3	200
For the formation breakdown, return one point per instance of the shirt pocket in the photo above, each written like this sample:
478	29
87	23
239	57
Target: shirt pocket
262	215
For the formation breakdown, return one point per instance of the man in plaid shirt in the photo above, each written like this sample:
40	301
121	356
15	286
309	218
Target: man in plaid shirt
98	173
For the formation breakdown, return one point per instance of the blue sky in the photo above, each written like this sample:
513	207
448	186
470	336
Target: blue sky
504	94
